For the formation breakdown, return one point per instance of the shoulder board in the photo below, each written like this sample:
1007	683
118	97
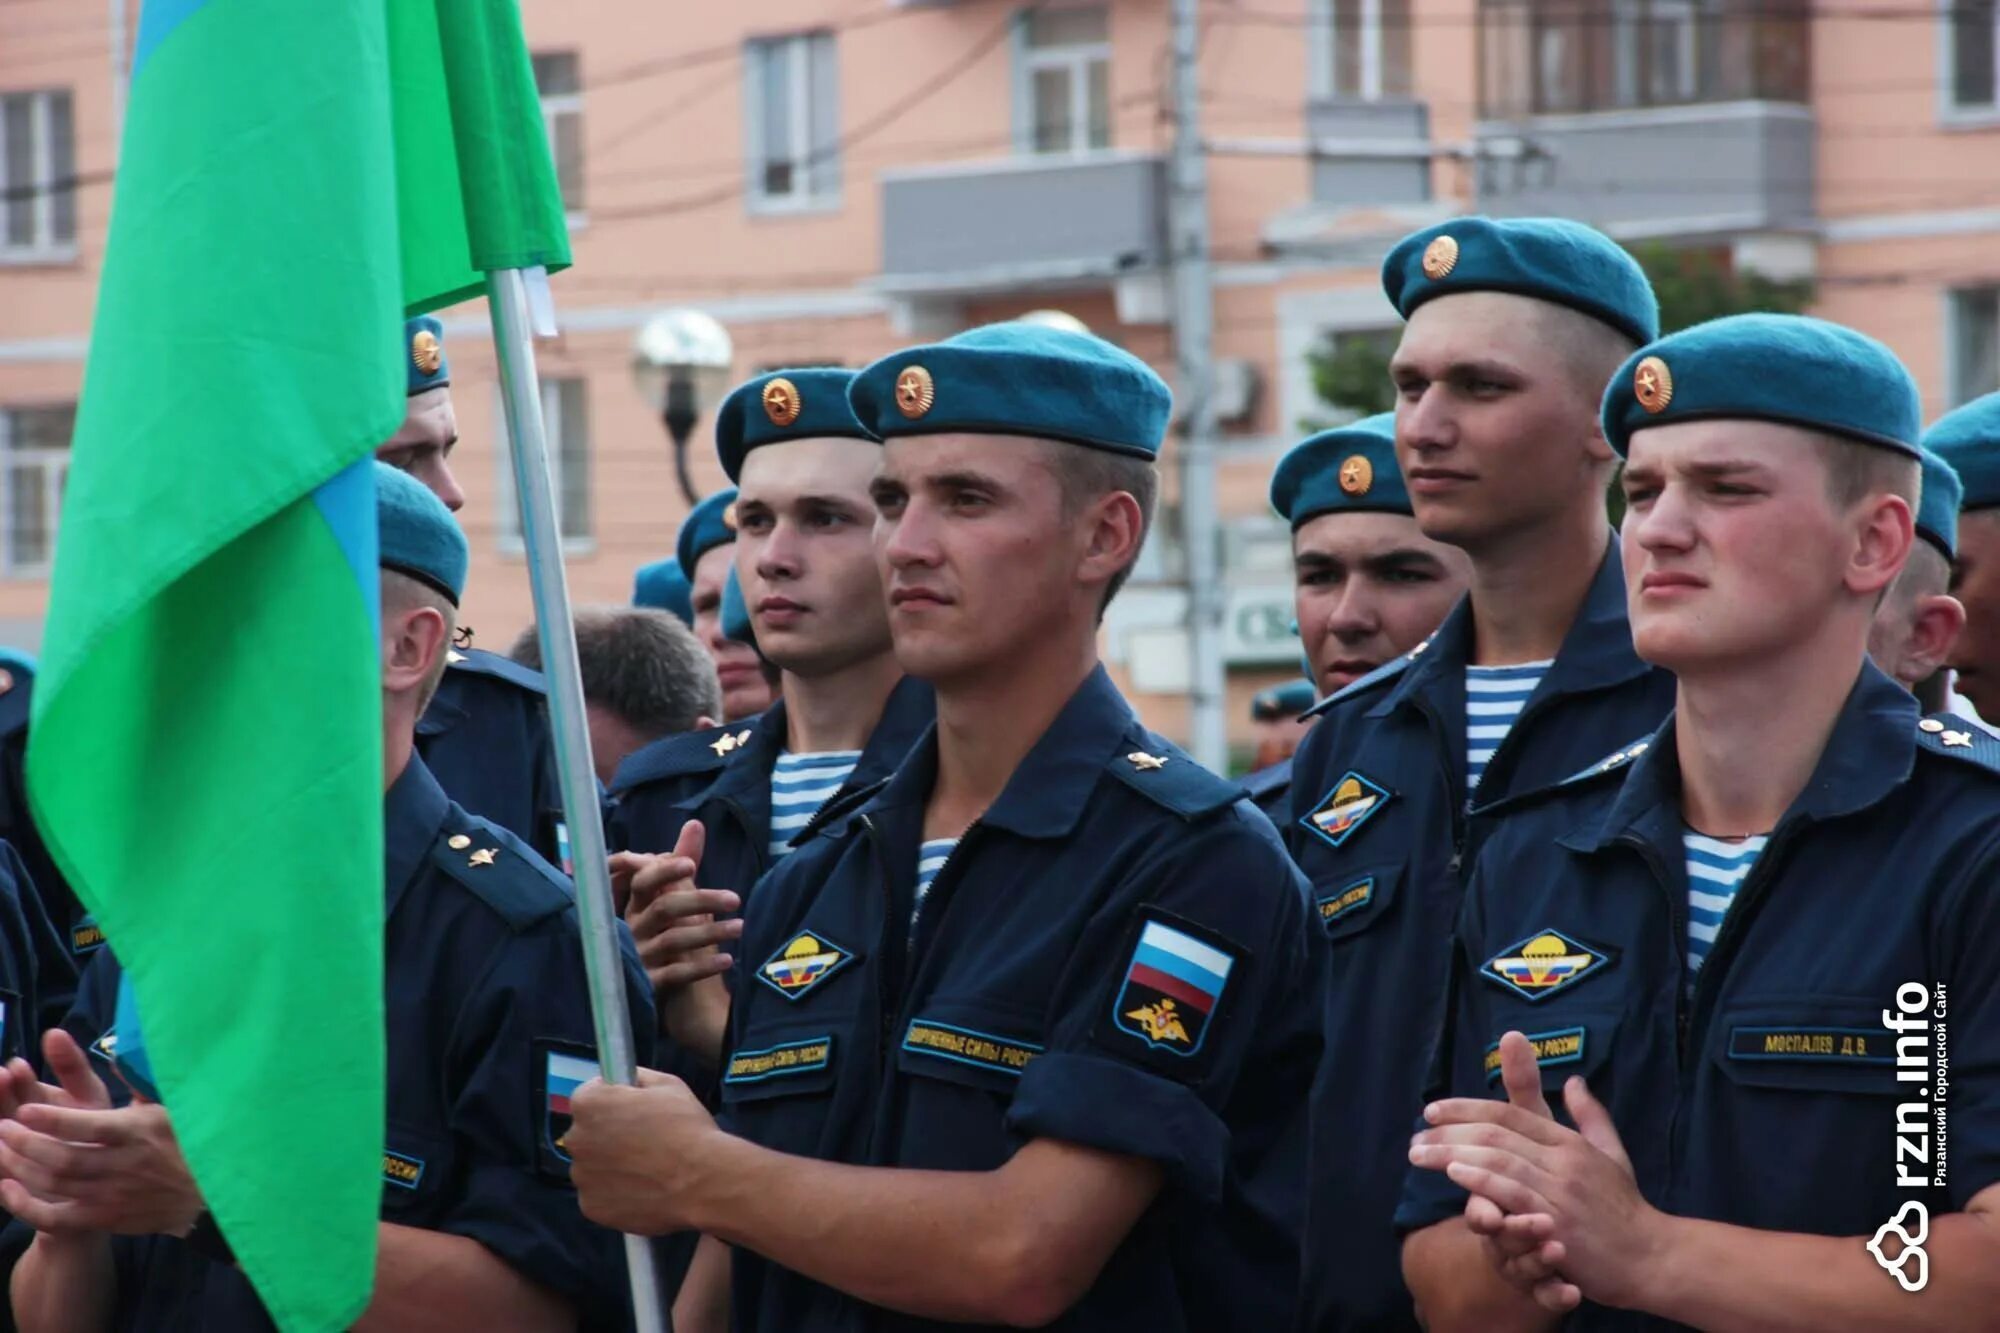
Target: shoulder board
14	698
1165	775
1388	671
479	662
1611	763
691	752
1960	738
501	871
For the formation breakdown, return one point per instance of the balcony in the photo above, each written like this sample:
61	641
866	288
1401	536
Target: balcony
1663	117
967	228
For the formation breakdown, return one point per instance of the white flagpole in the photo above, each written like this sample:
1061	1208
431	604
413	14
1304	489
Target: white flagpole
507	295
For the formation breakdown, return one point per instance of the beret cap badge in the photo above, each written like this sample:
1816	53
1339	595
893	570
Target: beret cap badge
1653	384
426	354
782	402
914	392
1357	474
1440	257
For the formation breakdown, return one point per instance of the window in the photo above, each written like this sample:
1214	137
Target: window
1975	343
561	87
794	121
1974	52
37	175
566	421
1545	57
1362	48
34	461
1063	85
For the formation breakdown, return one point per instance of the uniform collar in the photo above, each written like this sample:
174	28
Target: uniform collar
749	766
1596	653
412	814
1046	796
1869	754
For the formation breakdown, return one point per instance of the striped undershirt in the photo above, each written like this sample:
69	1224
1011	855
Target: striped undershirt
800	785
1493	699
931	857
1716	870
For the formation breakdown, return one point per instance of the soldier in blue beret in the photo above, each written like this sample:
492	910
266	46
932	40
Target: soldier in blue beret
1370	586
1919	620
486	735
1727	951
1969	439
1026	1037
488	1026
1275	719
705	548
1514	326
663	587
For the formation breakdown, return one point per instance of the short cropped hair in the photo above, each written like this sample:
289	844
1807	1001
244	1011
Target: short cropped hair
1591	349
1855	471
641	664
1084	475
400	594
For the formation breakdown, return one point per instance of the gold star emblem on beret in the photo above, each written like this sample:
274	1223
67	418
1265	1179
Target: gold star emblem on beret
1931	725
1357	474
484	856
1144	762
1957	739
781	401
1440	257
914	392
458	842
1653	385
425	353
729	516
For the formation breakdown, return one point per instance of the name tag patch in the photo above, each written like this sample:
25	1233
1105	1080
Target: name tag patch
1845	1046
1542	964
1346	901
967	1047
1563	1046
86	936
1354	800
794	1057
402	1170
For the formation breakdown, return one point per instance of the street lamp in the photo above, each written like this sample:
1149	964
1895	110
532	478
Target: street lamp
680	363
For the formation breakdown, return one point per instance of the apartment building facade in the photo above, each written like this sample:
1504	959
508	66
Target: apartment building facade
832	178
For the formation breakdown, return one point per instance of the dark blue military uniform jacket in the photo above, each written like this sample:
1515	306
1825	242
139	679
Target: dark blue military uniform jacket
488	1018
1116	954
1270	789
486	737
1769	1098
63	934
1380	826
722	776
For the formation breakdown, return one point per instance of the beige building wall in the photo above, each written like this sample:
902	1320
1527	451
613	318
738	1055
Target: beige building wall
1904	218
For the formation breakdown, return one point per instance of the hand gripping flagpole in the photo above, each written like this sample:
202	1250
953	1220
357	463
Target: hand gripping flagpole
513	341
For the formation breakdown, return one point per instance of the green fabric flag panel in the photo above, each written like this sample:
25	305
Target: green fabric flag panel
206	749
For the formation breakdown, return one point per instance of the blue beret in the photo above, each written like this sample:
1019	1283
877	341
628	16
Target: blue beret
708	525
1550	259
1968	438
1018	379
662	586
419	537
423	354
1937	505
1287	700
735	622
1352	467
1791	369
784	405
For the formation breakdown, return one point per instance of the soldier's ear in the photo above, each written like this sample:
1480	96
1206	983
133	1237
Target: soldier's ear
1934	628
413	642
